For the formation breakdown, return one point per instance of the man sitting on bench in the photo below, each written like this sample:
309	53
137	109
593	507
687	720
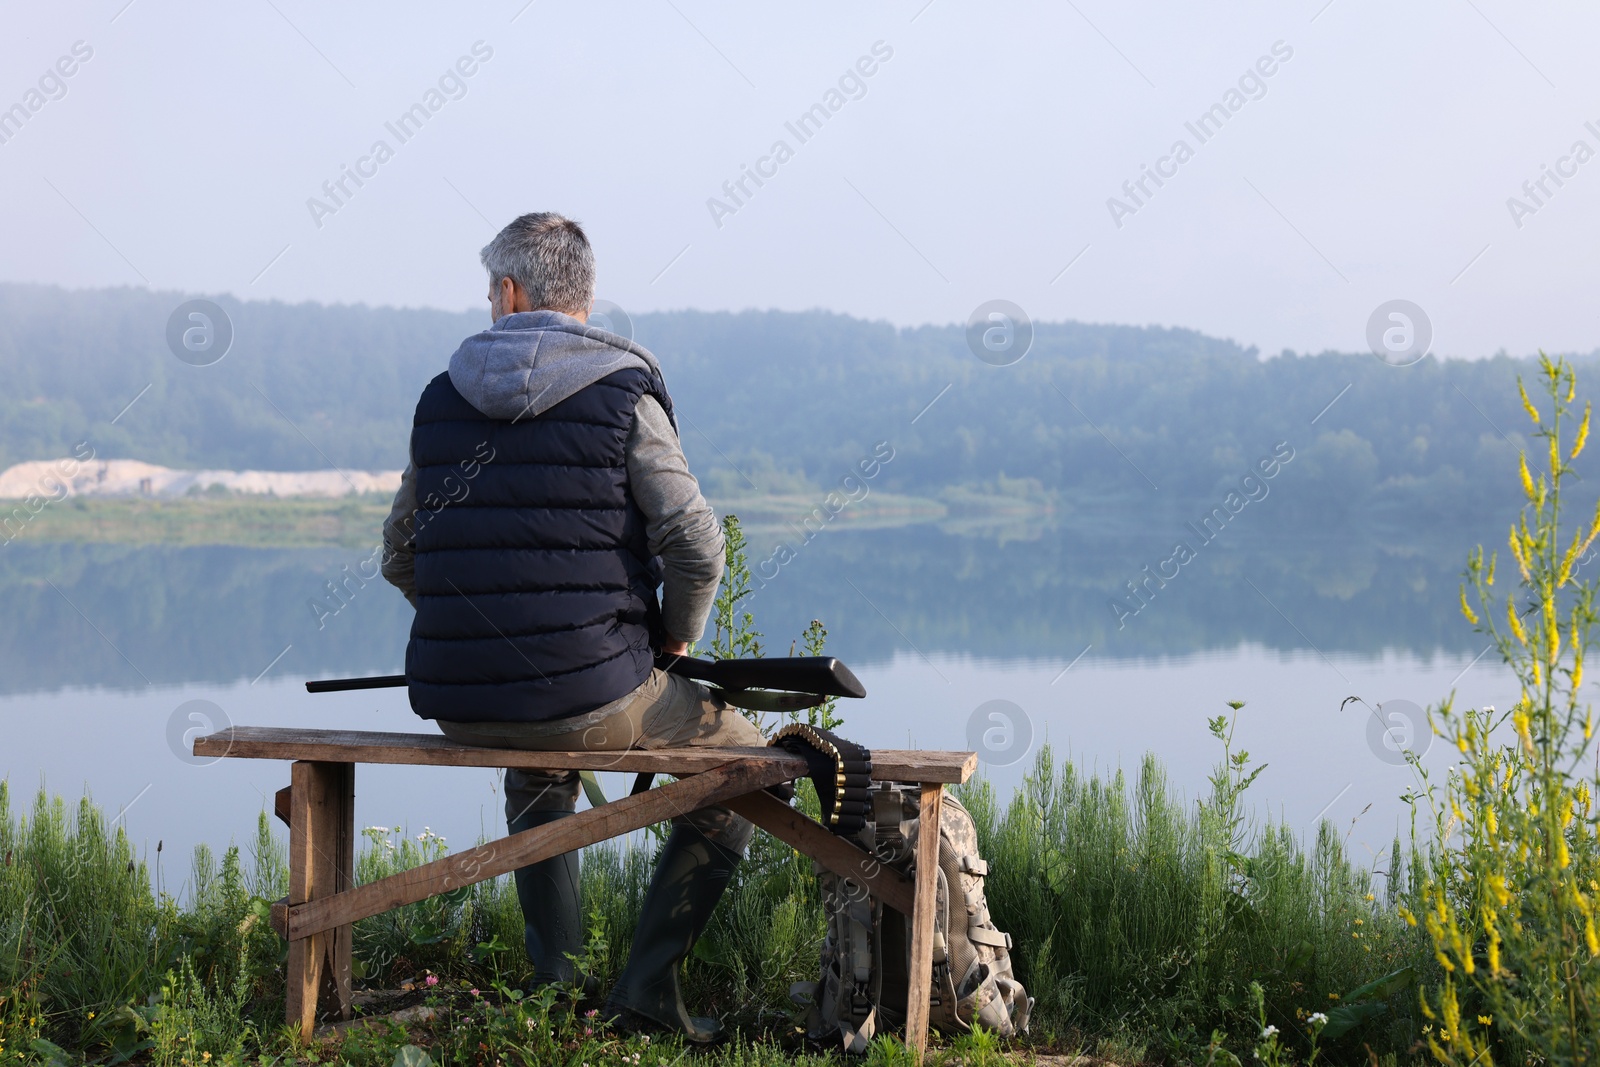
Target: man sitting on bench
546	499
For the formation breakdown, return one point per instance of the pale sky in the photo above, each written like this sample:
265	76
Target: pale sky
974	163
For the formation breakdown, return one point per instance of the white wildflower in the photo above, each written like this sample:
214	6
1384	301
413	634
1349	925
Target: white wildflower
1318	1019
1268	1032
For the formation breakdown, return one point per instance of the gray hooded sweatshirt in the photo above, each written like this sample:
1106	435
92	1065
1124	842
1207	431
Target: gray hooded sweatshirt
530	361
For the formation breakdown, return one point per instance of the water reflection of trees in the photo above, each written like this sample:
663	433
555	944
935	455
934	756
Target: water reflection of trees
1345	590
119	615
1022	587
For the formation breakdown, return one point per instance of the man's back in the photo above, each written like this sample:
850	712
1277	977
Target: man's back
528	535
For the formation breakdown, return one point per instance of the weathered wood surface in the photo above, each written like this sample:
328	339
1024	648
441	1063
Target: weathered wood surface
322	903
341	946
473	865
321	865
844	858
920	981
357	746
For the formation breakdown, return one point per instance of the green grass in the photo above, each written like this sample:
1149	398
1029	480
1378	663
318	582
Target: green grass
1139	921
202	519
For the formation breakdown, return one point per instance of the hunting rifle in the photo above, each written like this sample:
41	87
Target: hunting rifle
777	684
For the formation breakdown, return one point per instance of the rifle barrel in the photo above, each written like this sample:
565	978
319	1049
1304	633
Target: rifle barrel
340	685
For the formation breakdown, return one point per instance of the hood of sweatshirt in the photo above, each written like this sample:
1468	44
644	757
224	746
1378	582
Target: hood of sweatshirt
530	361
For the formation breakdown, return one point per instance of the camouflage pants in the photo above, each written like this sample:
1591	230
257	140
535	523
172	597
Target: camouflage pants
666	711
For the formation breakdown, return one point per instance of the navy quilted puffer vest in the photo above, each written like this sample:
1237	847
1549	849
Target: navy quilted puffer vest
536	591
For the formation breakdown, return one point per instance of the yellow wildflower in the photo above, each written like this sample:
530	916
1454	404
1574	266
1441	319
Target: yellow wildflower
1515	622
1594	528
1523	724
1527	478
1583	434
1466	609
1527	405
1515	541
1564	573
1486	1020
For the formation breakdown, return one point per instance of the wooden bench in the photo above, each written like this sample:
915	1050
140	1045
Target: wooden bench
319	806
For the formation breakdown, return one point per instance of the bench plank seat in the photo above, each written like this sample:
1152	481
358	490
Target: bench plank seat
436	750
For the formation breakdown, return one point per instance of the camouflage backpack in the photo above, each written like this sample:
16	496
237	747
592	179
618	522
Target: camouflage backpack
866	952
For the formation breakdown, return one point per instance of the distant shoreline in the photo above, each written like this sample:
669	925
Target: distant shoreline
251	521
264	521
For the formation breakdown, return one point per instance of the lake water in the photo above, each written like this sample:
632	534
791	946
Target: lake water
994	638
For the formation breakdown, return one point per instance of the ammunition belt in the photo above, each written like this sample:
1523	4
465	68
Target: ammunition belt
841	771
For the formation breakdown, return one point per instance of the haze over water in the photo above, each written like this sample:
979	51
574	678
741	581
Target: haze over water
939	625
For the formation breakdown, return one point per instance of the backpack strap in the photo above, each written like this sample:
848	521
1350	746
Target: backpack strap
984	936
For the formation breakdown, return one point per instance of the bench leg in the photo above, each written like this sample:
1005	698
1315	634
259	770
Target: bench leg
344	877
920	984
321	863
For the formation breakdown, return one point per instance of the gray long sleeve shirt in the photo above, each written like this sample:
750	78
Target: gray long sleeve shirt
680	526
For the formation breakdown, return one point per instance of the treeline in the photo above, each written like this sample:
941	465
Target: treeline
771	401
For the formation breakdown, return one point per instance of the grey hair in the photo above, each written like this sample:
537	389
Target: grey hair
548	256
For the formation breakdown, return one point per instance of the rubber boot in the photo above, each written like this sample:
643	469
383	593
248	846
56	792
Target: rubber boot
552	917
689	880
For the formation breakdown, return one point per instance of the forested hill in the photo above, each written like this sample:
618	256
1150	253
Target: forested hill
791	402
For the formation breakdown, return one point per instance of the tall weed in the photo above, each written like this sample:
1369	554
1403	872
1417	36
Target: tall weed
1512	871
1132	913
